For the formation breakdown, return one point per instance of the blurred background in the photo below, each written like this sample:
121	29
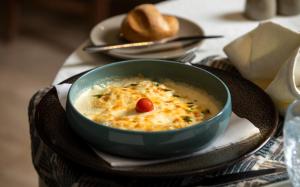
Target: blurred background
36	36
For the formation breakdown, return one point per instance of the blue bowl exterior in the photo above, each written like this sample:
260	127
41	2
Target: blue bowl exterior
160	144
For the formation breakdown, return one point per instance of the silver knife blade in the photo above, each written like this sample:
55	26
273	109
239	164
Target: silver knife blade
106	47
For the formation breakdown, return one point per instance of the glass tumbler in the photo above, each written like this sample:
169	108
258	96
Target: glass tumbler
291	134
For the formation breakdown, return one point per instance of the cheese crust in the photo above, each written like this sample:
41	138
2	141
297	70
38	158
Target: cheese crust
176	105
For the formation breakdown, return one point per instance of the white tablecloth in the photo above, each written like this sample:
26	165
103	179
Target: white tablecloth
223	17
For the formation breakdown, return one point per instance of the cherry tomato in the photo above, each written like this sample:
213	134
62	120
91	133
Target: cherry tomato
144	105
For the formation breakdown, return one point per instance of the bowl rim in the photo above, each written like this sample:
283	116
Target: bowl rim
99	125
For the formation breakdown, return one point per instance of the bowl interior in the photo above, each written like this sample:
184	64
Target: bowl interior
156	70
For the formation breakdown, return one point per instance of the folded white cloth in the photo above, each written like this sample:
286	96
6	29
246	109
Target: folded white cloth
239	129
62	93
268	56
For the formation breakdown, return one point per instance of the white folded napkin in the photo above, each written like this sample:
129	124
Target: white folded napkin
239	129
269	56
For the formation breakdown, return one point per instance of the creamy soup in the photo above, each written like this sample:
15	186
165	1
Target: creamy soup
170	105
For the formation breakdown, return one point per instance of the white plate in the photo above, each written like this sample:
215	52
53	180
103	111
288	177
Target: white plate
108	32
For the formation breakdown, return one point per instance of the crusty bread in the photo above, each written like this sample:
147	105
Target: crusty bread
146	23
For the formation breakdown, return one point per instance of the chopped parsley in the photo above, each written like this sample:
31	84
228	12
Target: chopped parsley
98	96
156	84
206	111
189	110
132	84
187	118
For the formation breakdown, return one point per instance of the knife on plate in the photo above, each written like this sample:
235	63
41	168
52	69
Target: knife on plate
106	47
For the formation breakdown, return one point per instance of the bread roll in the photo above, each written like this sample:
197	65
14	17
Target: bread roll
146	23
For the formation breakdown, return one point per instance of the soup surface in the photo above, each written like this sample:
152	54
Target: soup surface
175	104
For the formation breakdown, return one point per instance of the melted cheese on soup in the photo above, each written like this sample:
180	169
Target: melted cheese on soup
176	105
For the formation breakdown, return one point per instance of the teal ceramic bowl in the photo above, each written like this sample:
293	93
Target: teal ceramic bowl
139	144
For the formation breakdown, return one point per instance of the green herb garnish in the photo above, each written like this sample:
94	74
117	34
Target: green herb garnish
190	104
156	84
206	111
98	96
189	110
187	118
